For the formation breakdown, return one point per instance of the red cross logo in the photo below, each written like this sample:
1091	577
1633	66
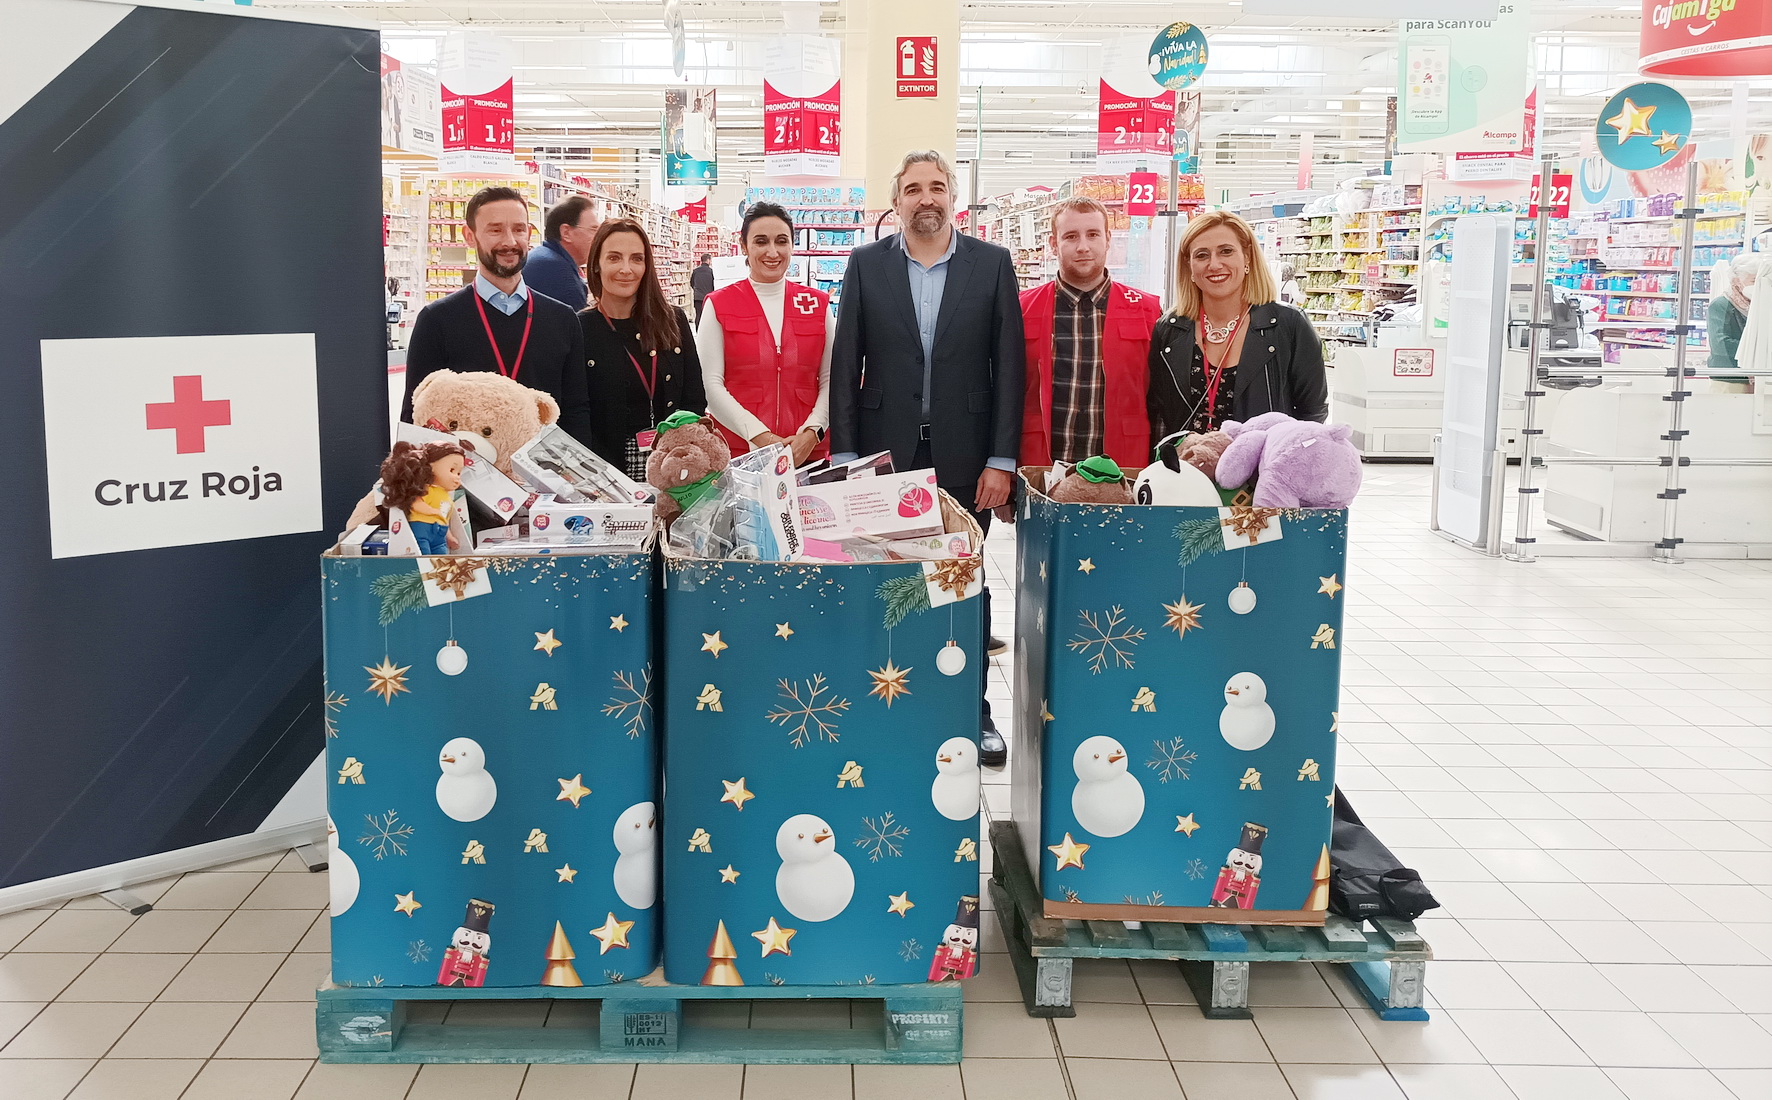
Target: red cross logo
806	303
1134	296
187	414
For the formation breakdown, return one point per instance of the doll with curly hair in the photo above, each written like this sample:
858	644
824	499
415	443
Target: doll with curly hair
418	480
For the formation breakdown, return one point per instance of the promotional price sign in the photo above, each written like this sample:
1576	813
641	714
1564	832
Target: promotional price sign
479	128
802	107
1558	200
1132	132
916	67
1709	39
1141	194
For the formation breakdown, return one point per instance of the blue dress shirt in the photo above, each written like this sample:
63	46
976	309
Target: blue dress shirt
506	304
552	272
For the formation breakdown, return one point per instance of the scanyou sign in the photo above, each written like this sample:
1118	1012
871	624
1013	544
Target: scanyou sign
1706	38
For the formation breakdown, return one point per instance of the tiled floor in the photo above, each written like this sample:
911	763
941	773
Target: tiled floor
1576	754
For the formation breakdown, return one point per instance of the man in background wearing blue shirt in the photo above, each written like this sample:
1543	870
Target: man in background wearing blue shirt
554	267
928	359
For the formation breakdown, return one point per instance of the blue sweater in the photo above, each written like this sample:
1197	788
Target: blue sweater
550	270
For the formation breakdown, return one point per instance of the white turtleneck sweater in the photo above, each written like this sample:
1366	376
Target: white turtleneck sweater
710	342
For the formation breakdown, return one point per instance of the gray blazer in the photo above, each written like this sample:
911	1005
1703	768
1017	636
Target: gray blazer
980	360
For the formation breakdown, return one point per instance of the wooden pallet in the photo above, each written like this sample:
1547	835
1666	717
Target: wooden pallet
639	1023
1386	966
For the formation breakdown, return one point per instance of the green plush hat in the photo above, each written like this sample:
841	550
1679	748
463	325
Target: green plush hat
678	420
1100	469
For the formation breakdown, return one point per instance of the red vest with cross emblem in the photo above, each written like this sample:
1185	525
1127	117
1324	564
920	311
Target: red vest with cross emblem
778	387
1125	368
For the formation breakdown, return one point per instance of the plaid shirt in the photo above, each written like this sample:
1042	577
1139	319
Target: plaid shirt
1078	389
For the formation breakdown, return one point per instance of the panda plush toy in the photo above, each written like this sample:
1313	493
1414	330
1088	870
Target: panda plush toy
1170	481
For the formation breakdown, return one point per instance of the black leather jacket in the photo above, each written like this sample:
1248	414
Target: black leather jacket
1281	370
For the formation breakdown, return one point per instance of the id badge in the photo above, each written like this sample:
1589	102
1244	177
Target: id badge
646	439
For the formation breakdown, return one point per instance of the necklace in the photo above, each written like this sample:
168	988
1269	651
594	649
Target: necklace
1216	334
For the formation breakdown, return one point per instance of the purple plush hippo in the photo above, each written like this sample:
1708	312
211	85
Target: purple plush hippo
1303	464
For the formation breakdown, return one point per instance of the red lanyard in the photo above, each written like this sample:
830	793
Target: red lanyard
490	339
1213	376
649	384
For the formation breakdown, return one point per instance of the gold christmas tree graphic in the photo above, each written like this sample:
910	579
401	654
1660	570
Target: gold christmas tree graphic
721	969
1319	897
560	956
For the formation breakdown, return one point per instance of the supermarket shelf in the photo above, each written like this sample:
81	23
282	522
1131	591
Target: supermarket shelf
1650	343
1643	322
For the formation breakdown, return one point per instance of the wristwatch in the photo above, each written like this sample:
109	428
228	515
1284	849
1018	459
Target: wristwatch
819	434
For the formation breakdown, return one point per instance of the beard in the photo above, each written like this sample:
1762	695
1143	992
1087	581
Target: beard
927	222
490	262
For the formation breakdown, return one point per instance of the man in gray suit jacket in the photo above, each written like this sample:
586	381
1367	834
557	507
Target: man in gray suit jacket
928	360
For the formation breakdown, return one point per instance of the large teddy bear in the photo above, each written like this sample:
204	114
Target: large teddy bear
1302	464
491	416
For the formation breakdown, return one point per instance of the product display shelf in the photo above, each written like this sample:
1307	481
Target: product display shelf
1386	966
645	1021
403	250
449	260
1021	223
1635	269
830	221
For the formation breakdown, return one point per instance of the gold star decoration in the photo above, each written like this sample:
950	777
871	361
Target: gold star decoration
1334	721
727	874
455	574
1329	800
618	623
1182	616
1325	637
701	841
1667	142
566	873
1085	565
1045	712
571	790
1331	585
1186	825
1146	700
475	852
614	933
1249	521
711	643
406	903
536	841
709	699
774	939
1070	853
850	776
956	574
547	643
890	682
1251	781
1631	121
735	793
1309	770
543	697
967	851
783	630
387	681
900	903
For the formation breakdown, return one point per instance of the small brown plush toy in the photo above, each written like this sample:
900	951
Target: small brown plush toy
686	457
1097	480
1202	451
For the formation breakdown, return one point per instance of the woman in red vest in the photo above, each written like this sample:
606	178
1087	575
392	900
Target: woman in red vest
765	347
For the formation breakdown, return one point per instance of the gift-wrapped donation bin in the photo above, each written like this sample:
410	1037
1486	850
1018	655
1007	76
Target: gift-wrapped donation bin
1177	671
492	769
821	753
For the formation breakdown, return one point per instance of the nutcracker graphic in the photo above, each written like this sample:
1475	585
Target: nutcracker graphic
957	957
464	963
1240	876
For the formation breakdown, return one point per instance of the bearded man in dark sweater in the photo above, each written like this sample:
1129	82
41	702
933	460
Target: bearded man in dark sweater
497	324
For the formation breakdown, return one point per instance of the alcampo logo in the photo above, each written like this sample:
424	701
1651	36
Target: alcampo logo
1666	15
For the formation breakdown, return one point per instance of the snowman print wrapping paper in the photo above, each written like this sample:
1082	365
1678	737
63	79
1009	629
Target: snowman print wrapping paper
472	812
821	819
1187	749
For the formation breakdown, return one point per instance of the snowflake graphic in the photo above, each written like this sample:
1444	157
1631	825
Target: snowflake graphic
1195	869
1155	897
1106	638
1170	760
628	697
882	837
335	702
1071	895
910	950
386	833
418	951
774	979
815	715
614	977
